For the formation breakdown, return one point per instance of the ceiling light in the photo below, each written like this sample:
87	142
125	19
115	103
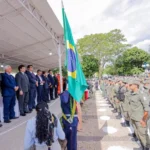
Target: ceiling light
50	53
2	66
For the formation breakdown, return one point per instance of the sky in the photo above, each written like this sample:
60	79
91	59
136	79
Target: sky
98	16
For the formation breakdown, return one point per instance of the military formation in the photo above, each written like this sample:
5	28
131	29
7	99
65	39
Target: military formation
130	99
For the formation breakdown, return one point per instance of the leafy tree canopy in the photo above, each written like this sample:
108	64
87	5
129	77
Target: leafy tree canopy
104	46
130	62
89	65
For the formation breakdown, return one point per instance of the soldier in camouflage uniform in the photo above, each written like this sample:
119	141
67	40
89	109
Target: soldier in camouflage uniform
139	105
119	89
125	105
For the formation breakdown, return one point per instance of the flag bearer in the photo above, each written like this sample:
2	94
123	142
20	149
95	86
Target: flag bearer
69	119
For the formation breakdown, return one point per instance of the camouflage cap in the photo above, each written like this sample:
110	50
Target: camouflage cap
134	82
146	81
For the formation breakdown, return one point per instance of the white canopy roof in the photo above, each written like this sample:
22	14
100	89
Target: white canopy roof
29	31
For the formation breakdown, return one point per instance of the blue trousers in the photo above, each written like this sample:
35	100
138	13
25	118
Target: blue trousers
71	134
39	93
32	96
9	104
45	95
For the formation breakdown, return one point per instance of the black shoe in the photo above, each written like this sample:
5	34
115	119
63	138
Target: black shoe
14	118
1	125
27	111
33	107
30	109
7	121
23	114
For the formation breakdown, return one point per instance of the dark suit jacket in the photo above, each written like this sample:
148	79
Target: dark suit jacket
51	80
0	82
38	79
8	85
32	79
22	81
46	84
55	81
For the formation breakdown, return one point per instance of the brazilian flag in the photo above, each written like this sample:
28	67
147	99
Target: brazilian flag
76	79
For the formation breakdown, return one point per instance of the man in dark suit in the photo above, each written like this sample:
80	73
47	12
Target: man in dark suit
32	89
51	83
23	92
45	87
9	89
56	85
40	86
0	90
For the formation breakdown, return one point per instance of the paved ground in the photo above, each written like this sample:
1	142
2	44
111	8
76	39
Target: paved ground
101	129
12	135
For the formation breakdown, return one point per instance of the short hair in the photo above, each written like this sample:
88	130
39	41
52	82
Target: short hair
43	72
49	71
29	66
6	67
20	67
39	71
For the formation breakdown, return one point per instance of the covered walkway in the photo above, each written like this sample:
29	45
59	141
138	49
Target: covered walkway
30	33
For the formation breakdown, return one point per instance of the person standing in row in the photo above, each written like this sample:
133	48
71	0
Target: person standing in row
0	92
9	89
56	85
139	105
51	83
40	86
23	92
45	87
32	89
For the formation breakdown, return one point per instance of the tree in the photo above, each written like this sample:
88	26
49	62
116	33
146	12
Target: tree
89	65
130	62
104	46
64	71
110	70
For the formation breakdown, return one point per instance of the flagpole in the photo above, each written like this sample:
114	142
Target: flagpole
62	4
60	67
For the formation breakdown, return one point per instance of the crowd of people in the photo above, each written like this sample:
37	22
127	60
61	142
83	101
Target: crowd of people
28	89
130	98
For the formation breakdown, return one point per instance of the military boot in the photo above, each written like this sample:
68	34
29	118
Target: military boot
118	116
114	111
127	123
111	106
135	137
